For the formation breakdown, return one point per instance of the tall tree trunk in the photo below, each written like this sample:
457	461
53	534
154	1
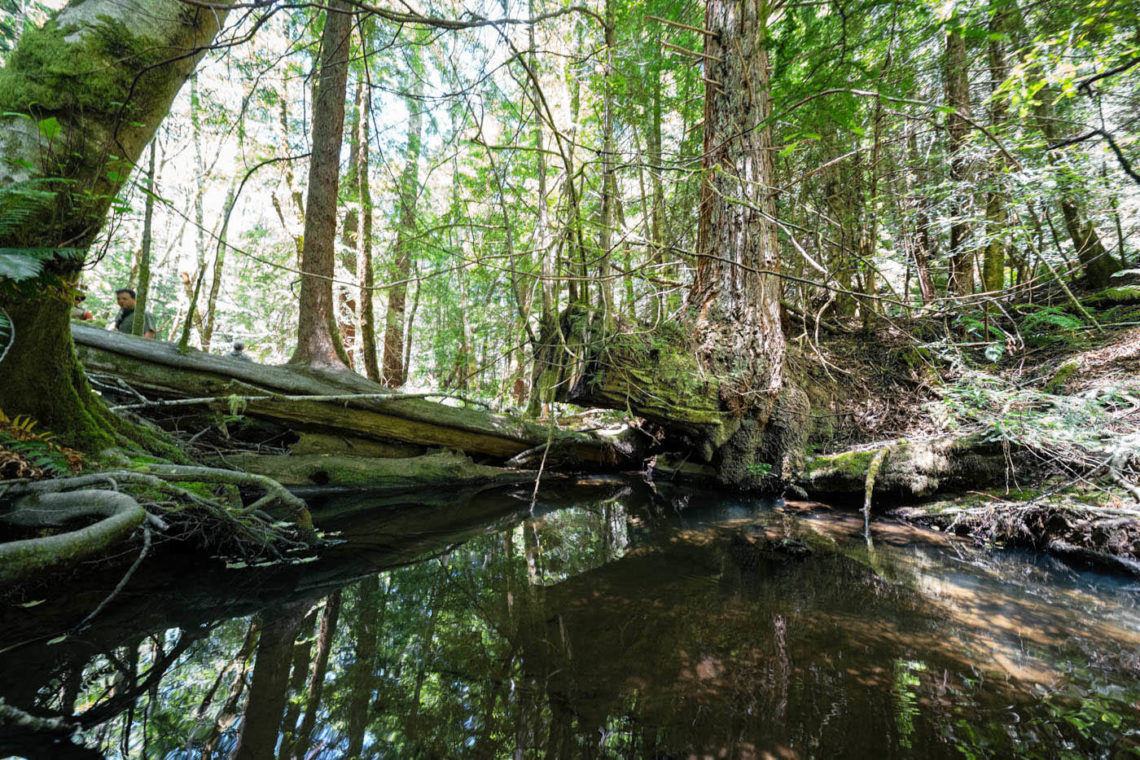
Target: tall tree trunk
961	280
142	286
609	181
219	269
268	690
997	219
921	246
1098	264
157	44
350	228
657	216
736	283
545	349
736	294
362	671
317	680
394	373
365	317
317	342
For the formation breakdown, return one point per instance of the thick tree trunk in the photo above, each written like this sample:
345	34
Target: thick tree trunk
736	295
393	372
609	180
317	343
545	349
158	43
961	280
743	420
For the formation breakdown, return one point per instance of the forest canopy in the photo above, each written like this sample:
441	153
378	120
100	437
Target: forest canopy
926	155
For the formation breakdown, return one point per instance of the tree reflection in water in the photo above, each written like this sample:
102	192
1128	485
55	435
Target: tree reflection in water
633	625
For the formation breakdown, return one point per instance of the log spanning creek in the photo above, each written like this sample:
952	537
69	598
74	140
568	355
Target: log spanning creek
605	619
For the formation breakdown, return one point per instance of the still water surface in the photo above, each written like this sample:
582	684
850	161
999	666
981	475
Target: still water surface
618	620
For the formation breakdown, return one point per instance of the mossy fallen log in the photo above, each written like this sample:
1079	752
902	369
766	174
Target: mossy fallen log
746	437
909	469
441	468
377	414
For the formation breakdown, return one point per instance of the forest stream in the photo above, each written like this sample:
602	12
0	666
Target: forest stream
607	619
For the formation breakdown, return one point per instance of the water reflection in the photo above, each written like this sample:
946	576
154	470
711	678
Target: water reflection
617	620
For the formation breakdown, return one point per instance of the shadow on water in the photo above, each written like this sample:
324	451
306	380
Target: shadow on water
615	620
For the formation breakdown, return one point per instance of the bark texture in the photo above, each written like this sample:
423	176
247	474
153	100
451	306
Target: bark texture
107	71
155	366
715	386
393	372
736	294
317	345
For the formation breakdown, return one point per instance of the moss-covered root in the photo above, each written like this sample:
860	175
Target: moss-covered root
273	493
869	481
910	469
23	559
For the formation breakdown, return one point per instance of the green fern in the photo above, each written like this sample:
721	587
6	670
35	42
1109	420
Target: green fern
6	333
1048	319
21	203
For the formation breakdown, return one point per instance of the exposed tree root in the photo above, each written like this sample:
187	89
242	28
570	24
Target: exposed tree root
53	503
869	486
22	559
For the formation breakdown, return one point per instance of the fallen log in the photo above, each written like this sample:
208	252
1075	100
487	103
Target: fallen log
441	468
358	407
908	469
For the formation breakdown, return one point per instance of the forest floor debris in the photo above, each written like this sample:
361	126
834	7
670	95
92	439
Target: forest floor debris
1060	413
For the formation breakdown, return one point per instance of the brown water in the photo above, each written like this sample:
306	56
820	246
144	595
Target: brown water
617	621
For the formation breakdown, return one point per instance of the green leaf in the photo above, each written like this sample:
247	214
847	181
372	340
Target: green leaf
17	267
50	127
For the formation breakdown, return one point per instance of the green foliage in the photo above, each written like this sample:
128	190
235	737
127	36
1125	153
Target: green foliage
1046	320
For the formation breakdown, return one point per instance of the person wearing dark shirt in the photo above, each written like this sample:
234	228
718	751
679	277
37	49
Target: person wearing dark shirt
125	319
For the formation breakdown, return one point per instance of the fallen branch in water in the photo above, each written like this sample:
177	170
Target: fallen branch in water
869	487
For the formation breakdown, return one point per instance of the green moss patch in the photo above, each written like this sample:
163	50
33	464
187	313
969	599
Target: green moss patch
1123	294
46	73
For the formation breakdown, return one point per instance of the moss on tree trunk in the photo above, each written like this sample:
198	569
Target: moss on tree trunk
104	73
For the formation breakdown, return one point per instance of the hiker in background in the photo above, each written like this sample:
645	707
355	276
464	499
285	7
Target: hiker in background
239	352
125	319
79	311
